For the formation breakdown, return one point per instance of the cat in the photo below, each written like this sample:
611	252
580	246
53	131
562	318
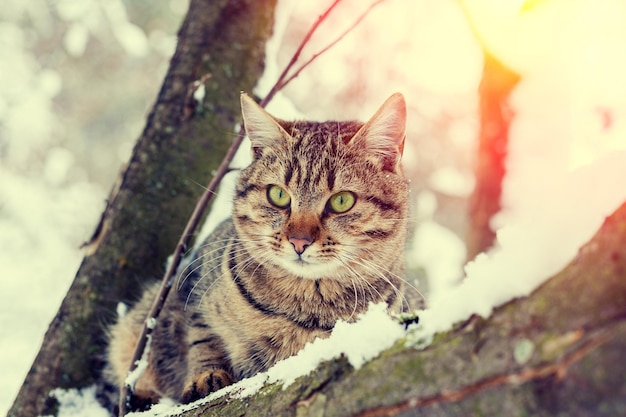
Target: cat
317	233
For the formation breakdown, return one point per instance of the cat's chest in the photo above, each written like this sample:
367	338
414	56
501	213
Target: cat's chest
270	346
255	339
256	345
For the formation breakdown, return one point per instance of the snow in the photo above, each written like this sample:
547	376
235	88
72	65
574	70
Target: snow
435	248
199	93
359	342
142	363
534	246
79	403
565	170
441	253
121	310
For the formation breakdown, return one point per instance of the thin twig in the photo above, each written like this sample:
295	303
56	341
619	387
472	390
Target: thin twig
205	199
279	83
330	45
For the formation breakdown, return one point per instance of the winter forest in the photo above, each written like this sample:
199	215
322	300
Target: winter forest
115	116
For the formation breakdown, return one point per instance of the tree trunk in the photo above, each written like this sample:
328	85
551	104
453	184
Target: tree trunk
221	44
495	116
557	352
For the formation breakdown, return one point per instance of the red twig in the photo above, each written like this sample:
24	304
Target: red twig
281	84
205	199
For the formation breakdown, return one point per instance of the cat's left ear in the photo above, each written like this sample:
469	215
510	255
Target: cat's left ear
383	135
262	129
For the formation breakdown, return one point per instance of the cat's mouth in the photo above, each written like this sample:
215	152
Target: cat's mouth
308	268
299	262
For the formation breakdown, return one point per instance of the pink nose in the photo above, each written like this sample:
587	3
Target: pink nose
300	243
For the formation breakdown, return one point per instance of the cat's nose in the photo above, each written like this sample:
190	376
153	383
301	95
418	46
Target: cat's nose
300	243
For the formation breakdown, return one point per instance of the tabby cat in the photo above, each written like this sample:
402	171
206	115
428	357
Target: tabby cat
317	233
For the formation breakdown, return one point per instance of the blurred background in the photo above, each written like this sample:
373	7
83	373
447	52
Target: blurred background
77	79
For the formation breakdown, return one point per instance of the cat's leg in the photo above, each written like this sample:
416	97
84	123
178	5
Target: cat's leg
208	365
123	337
166	368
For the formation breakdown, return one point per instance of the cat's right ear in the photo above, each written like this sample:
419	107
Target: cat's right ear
262	129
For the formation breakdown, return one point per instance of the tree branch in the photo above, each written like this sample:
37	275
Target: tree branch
525	375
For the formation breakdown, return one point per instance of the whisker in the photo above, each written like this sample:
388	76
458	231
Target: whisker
382	270
361	280
232	254
379	267
202	261
381	273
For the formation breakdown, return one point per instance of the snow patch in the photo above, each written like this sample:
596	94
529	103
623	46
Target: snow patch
359	342
200	92
78	403
142	364
534	247
441	254
121	310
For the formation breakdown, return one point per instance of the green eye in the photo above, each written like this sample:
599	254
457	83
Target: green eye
278	196
342	201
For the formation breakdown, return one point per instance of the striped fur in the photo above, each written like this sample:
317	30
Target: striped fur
271	279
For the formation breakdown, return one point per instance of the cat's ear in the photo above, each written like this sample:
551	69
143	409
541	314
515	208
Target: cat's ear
262	129
383	135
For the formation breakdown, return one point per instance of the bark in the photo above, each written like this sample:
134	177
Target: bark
557	352
495	116
220	43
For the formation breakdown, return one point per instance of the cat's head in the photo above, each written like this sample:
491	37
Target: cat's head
324	200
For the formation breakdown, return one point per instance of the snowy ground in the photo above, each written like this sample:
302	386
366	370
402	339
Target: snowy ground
568	158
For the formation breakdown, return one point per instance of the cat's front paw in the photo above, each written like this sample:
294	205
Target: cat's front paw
205	383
